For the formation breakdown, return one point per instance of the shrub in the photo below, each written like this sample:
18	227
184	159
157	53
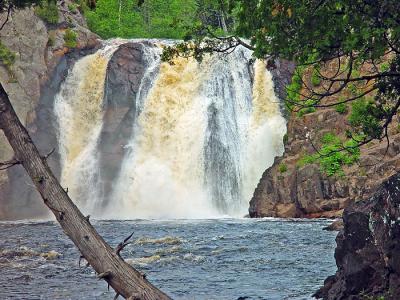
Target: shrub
352	88
81	5
294	88
48	12
308	109
285	139
73	7
333	155
315	78
283	168
365	116
341	108
70	38
7	57
305	160
52	39
384	67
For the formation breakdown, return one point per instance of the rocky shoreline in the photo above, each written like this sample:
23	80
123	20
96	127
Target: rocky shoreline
368	248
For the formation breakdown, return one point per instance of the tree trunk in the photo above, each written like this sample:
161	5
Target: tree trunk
124	279
223	23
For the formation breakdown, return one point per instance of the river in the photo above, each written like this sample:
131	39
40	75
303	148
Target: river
188	259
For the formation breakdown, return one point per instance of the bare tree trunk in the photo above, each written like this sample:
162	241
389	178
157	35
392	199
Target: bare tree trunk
124	279
223	22
223	17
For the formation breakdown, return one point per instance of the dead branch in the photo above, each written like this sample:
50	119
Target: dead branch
8	164
123	244
48	154
121	276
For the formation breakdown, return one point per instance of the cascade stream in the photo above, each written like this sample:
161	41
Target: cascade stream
201	135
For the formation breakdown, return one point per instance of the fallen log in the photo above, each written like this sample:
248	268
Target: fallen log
123	278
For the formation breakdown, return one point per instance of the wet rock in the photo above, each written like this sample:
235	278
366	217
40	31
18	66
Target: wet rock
368	248
51	255
20	252
124	76
281	71
336	225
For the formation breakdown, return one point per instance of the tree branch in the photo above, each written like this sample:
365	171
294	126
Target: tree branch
8	15
8	164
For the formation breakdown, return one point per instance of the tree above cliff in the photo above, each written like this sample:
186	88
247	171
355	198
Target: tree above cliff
351	48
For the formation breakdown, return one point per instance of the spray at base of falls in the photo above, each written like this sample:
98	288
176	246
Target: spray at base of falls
202	136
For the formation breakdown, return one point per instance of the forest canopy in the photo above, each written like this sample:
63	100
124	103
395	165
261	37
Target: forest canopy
154	18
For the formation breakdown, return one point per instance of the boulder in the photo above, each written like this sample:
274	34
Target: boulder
368	248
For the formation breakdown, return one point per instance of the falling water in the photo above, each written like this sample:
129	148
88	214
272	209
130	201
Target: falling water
202	137
79	112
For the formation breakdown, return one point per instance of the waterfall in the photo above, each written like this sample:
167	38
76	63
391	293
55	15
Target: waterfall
202	135
79	111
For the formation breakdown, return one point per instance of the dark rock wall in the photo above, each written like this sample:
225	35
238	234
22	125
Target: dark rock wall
305	191
368	249
124	78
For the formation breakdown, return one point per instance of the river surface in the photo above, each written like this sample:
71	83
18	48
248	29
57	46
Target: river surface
188	259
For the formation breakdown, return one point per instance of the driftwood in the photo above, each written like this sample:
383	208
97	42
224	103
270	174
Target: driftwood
123	278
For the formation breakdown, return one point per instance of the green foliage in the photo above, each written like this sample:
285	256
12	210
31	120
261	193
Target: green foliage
7	57
352	88
48	12
315	78
384	67
73	7
309	108
341	108
283	168
295	29
215	14
305	111
153	19
81	5
333	155
52	39
294	88
365	117
285	139
314	32
70	38
305	160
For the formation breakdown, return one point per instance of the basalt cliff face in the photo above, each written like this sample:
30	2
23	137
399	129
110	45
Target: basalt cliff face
367	252
125	71
41	63
288	190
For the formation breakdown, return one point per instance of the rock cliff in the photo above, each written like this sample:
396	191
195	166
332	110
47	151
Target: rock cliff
125	73
367	252
42	60
288	189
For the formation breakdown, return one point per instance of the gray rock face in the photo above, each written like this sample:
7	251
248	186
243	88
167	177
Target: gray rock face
305	191
368	247
124	75
282	71
39	69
